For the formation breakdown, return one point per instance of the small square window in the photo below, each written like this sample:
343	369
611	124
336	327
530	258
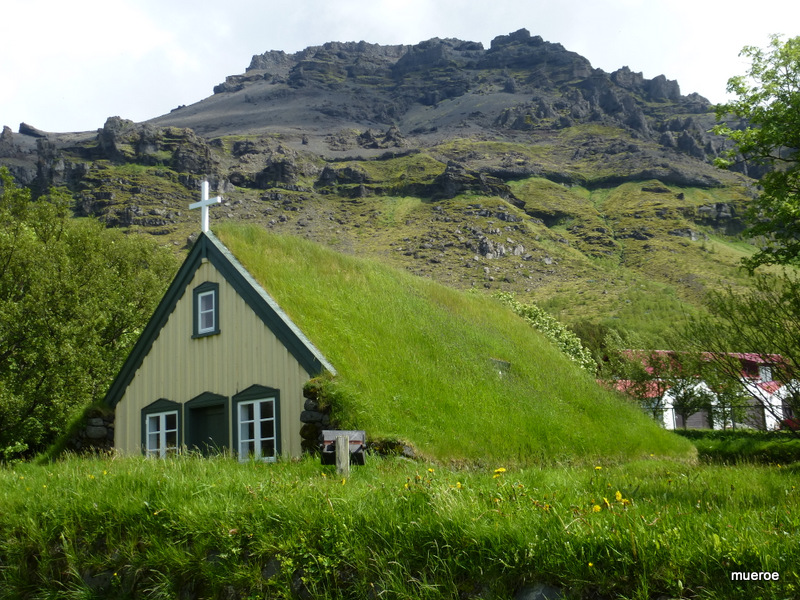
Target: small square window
206	310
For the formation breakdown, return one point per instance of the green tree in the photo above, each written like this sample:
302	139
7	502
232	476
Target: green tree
636	373
768	102
73	299
731	399
765	321
687	393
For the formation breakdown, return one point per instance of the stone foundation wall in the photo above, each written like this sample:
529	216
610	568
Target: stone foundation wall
96	433
314	418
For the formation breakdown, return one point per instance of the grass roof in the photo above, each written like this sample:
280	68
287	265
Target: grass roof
418	361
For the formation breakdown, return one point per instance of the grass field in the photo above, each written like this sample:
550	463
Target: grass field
196	528
745	446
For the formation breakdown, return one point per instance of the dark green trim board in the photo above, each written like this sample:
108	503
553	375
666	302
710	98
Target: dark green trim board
209	247
206	399
256	392
256	297
164	309
203	288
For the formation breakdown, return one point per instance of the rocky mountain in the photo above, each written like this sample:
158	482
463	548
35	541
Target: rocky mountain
518	167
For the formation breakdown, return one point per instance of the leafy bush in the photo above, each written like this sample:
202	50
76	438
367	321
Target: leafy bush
73	297
566	341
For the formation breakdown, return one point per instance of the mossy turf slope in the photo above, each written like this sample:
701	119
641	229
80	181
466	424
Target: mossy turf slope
417	361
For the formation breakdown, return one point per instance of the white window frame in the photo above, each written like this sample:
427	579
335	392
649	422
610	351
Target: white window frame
201	313
259	435
156	438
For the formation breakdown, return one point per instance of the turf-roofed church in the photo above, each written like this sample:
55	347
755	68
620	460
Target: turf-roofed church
218	366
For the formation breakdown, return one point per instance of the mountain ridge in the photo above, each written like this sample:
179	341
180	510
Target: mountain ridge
519	167
405	80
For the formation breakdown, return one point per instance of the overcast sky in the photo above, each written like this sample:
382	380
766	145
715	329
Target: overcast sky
67	66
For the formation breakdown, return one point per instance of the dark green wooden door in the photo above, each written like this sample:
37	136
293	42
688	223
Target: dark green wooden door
208	431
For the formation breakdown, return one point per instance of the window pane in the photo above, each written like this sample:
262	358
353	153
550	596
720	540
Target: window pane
206	302
207	321
152	441
267	409
172	439
153	423
267	429
246	412
172	421
246	431
268	448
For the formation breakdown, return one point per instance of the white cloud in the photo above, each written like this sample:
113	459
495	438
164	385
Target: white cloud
68	66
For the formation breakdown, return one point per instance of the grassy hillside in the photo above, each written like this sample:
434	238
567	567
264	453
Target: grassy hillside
416	361
591	222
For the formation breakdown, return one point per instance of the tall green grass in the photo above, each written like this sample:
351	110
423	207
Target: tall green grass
214	528
745	445
417	361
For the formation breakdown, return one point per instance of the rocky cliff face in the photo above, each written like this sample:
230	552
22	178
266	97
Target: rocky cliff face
521	89
513	167
521	83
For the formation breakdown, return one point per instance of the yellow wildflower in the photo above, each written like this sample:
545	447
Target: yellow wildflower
591	564
500	470
596	508
618	496
598	468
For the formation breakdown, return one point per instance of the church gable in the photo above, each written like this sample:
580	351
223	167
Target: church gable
199	291
215	336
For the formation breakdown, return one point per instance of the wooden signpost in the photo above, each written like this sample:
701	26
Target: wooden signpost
343	455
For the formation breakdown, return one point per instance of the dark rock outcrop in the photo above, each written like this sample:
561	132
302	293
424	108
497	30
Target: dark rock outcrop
122	140
456	179
7	146
30	130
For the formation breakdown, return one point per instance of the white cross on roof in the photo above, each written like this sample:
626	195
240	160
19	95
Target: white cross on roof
204	203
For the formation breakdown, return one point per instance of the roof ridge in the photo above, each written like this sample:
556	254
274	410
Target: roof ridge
271	302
